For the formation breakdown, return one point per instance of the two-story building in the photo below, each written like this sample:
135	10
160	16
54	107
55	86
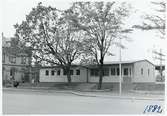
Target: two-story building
16	61
141	71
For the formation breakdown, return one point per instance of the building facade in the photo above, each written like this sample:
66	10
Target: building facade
16	62
141	71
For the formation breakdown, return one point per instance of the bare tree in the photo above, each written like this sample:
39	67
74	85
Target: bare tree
155	22
102	23
52	37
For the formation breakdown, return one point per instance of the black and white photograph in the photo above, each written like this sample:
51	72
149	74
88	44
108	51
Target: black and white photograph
83	57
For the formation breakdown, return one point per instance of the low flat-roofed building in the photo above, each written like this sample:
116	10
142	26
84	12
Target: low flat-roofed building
141	71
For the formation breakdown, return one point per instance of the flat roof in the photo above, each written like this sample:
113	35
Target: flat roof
105	63
60	66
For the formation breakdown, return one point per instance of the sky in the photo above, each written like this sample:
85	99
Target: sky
140	47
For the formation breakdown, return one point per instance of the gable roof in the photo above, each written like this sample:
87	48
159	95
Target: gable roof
146	61
127	62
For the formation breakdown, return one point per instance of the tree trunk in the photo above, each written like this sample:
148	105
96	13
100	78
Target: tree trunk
68	75
101	74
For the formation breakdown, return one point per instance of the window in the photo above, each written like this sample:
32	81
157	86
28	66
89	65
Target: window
117	71
58	72
91	72
3	59
106	72
77	72
23	60
130	71
71	72
46	72
125	71
64	72
141	71
12	59
148	72
94	72
112	71
12	71
52	72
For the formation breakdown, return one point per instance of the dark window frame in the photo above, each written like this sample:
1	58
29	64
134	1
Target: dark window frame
23	60
130	71
141	71
64	72
11	72
94	72
12	59
148	72
78	72
71	72
52	72
106	71
58	72
113	71
3	57
118	72
46	72
126	71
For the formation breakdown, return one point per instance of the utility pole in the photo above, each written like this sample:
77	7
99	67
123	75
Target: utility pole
160	55
120	71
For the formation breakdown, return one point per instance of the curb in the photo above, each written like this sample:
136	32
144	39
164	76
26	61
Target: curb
52	88
87	95
117	97
146	92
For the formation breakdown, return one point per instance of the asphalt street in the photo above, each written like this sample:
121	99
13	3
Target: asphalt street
23	102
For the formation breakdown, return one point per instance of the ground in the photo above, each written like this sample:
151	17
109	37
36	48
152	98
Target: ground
29	102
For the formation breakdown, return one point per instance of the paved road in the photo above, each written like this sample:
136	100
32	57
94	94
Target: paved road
22	102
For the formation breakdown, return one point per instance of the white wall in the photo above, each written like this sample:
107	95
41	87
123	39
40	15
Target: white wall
61	77
134	77
111	78
138	77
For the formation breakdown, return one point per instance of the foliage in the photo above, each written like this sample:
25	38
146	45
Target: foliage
155	22
51	36
102	24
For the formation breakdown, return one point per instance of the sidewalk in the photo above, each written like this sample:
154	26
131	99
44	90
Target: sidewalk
100	94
